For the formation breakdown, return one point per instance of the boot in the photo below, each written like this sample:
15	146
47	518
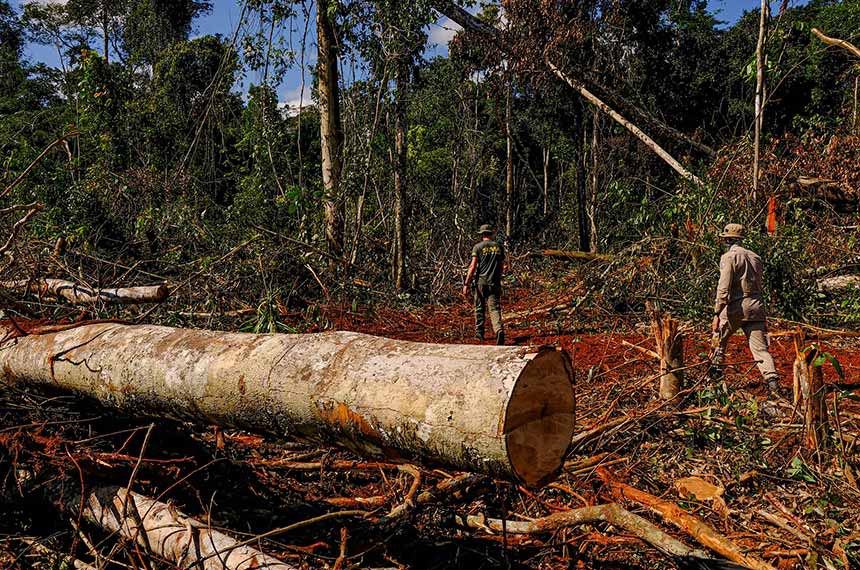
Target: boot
500	338
479	334
774	388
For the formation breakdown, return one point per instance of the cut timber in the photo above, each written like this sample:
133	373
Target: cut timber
81	295
809	393
573	255
169	534
495	410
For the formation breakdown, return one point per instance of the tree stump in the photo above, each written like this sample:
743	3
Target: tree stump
670	350
809	394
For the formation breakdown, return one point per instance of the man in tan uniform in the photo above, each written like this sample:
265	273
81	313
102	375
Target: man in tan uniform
739	304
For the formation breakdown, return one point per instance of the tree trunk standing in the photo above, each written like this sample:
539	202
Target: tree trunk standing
809	394
595	182
581	184
546	180
760	61
856	87
401	216
106	31
331	131
509	176
670	350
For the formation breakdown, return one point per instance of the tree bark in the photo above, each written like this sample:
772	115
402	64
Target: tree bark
331	131
670	351
509	170
496	410
759	90
591	209
648	141
172	535
401	216
81	295
581	186
809	394
546	180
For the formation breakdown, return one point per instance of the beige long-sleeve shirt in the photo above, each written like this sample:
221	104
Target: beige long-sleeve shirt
739	290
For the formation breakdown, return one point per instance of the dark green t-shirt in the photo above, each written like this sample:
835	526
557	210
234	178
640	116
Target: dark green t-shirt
490	256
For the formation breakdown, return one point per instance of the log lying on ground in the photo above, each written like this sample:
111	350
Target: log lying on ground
81	295
172	535
572	255
495	410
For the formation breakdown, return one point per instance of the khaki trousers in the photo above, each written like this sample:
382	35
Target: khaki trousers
756	333
487	297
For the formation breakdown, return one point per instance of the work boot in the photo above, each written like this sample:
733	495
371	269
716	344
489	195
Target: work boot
774	388
500	338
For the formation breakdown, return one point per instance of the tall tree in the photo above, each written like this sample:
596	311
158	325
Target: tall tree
331	128
760	63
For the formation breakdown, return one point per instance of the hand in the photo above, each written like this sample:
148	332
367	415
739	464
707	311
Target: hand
715	325
466	291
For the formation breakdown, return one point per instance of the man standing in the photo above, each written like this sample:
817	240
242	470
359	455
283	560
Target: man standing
487	259
739	304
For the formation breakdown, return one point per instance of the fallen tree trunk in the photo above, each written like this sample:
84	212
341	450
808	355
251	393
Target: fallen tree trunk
172	535
572	255
496	410
81	295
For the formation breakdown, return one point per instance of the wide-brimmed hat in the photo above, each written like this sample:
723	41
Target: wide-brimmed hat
736	231
485	229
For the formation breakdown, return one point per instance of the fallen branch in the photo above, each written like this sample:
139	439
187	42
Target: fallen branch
636	131
172	535
82	295
695	527
611	513
62	140
573	255
836	42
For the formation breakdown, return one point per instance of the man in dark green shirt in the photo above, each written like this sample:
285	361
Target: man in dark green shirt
488	257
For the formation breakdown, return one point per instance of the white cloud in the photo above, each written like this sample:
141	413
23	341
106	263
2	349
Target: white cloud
443	31
291	99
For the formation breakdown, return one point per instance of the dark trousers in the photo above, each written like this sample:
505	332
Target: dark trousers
488	297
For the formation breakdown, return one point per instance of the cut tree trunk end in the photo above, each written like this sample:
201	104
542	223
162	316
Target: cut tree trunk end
172	535
809	393
82	295
670	351
496	410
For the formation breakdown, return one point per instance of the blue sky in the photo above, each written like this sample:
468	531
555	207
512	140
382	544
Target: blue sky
225	15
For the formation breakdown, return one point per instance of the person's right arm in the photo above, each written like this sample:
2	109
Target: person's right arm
470	274
723	286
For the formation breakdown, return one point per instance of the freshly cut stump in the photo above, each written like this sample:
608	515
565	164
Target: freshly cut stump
496	410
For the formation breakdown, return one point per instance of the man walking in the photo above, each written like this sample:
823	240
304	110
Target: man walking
739	304
486	267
